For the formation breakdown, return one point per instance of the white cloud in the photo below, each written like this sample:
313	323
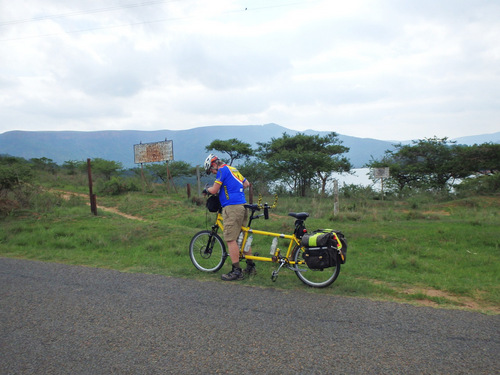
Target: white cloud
384	69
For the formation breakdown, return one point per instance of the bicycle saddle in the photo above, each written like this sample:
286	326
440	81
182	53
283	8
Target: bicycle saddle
299	215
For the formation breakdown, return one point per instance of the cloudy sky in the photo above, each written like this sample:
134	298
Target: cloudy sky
384	69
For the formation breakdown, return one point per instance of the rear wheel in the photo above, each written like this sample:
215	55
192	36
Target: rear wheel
314	278
207	251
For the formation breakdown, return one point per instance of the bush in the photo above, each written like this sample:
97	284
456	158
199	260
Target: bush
117	186
483	185
352	191
13	171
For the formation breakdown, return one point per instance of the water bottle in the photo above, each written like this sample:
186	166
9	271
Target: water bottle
248	244
240	240
274	245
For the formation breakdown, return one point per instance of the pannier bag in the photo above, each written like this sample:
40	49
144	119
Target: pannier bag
213	203
321	248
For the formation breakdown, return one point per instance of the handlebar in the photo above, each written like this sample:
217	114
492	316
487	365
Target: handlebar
259	206
266	207
259	203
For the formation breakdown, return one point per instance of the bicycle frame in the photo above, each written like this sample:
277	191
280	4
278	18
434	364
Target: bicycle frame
247	231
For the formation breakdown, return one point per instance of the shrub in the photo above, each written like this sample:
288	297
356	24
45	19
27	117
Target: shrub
358	192
117	186
487	184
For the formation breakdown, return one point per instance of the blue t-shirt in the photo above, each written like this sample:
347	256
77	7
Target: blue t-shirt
231	181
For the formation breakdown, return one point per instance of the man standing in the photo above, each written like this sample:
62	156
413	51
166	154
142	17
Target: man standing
230	185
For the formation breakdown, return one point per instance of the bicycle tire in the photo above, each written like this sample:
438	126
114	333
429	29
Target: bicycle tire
314	278
207	251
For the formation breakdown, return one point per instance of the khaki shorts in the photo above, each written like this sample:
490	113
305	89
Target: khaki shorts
233	217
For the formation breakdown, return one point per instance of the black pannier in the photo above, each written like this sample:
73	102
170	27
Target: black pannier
213	203
322	249
318	258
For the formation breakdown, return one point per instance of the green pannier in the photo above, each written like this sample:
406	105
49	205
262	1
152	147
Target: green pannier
323	247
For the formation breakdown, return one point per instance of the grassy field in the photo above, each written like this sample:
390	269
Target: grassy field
437	254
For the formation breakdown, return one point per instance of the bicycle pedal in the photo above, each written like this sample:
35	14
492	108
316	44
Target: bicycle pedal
274	276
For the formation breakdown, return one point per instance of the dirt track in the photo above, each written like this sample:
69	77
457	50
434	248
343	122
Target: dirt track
59	319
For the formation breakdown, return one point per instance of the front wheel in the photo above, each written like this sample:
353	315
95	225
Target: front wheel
207	251
314	278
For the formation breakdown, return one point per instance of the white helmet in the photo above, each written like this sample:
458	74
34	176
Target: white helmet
208	162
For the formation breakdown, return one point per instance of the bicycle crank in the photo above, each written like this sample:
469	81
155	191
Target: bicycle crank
274	275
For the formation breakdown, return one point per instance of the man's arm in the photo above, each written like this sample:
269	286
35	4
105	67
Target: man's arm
214	189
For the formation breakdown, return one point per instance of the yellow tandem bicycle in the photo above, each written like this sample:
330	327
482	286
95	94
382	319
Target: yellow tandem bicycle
208	251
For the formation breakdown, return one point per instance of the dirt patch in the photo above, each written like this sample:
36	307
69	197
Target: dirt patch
465	302
426	296
428	213
118	212
440	213
68	194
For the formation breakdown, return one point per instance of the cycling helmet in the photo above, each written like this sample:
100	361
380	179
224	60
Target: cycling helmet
208	162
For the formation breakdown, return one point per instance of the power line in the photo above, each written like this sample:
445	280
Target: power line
128	24
83	12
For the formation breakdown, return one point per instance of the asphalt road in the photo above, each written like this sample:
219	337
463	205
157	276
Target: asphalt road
60	319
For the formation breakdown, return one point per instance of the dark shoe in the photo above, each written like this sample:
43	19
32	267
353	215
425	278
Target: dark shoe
234	275
250	270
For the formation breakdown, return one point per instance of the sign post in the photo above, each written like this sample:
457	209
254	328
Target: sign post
155	152
335	197
381	173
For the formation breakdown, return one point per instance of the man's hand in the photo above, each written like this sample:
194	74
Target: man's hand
205	191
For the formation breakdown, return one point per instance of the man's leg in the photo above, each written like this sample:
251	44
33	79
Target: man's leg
233	217
234	251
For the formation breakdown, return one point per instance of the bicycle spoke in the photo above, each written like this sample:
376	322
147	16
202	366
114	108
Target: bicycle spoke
207	251
314	278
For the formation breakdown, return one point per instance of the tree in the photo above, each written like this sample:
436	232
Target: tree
425	164
300	159
331	148
480	159
44	164
435	163
105	168
257	173
176	168
71	166
233	147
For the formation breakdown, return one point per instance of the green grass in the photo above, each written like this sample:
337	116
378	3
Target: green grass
440	254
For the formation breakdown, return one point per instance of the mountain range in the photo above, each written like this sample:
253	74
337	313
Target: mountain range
188	145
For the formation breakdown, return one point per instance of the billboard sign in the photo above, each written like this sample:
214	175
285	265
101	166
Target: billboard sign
153	152
380	172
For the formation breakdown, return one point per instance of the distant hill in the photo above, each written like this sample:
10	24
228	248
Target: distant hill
189	145
478	139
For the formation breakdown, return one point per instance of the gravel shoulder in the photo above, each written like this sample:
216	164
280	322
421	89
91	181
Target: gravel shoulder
61	319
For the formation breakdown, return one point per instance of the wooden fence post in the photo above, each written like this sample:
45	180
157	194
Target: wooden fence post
335	197
93	198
